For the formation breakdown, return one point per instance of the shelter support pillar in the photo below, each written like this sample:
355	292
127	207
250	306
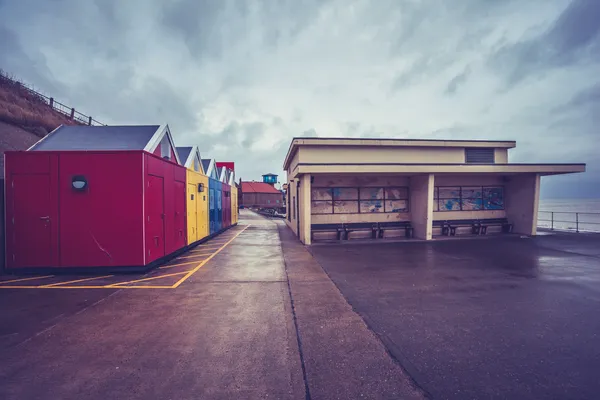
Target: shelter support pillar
522	195
304	212
421	205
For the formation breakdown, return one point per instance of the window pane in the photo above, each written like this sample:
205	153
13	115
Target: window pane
493	198
345	193
321	194
449	192
371	206
396	205
449	204
436	205
371	193
435	192
471	198
345	207
396	193
470	192
320	207
472	204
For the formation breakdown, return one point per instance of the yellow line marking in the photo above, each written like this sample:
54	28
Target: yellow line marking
176	265
86	287
190	273
27	279
52	287
75	281
196	256
136	287
145	279
199	250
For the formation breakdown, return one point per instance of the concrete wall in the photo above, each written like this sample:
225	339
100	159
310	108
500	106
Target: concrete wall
470	180
360	181
266	200
421	200
304	215
501	156
523	203
294	162
338	154
292	221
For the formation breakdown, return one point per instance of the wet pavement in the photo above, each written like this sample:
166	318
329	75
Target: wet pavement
501	317
253	314
228	330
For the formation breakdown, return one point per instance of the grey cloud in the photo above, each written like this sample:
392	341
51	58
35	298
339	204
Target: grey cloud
309	133
572	38
239	78
199	23
458	80
587	97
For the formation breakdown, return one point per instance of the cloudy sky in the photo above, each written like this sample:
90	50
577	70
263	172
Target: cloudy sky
241	78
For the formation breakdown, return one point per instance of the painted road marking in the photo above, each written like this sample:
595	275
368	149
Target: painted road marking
177	265
196	256
75	281
192	272
202	255
210	246
146	279
27	279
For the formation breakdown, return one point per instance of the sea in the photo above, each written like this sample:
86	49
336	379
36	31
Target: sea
570	214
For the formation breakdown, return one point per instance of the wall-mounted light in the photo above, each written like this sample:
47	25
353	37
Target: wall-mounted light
200	187
79	183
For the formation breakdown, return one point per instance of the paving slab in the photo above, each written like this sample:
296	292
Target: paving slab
342	358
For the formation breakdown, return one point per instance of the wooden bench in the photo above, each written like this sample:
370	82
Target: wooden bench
443	225
478	226
502	222
383	226
337	228
361	226
449	227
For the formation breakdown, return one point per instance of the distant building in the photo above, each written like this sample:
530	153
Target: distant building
271	179
261	194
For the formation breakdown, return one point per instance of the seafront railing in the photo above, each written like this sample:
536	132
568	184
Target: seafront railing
569	221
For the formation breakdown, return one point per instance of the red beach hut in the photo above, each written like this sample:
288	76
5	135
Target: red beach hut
110	197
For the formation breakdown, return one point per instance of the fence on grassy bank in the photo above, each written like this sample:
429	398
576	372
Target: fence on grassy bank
59	107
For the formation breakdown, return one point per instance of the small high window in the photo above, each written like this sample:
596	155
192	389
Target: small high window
196	164
165	148
479	156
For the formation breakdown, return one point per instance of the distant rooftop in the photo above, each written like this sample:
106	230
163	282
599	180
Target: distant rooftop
258	187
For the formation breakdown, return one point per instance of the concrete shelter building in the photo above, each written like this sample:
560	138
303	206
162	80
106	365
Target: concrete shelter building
341	180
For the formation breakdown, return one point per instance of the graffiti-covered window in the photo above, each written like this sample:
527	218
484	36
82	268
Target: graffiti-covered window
359	200
468	198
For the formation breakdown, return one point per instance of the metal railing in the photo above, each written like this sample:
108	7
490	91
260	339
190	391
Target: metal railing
67	111
569	221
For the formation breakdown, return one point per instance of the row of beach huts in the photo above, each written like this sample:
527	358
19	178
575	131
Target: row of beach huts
112	197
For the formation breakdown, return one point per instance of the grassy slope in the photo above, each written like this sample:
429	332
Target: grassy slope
26	110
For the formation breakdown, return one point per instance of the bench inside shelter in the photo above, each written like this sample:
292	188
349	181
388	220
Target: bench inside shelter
338	229
395	225
361	226
477	226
